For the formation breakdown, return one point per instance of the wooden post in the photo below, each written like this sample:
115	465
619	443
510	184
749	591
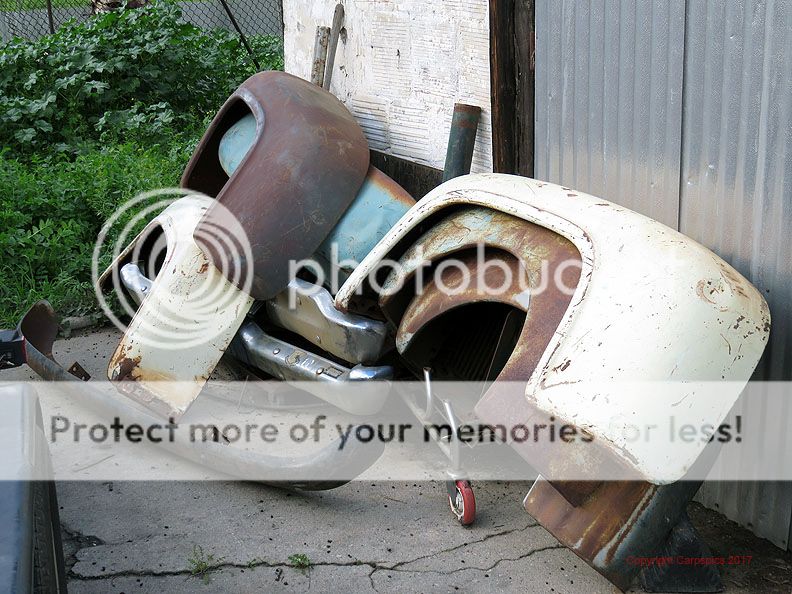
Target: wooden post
335	32
512	34
320	55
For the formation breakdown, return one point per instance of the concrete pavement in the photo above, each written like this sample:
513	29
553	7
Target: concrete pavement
135	536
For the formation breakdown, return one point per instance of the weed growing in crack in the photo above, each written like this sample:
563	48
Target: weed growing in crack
200	564
300	561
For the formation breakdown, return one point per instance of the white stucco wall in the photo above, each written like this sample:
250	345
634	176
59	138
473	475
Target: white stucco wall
400	67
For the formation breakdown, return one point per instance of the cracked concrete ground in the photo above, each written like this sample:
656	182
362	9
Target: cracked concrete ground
135	536
362	537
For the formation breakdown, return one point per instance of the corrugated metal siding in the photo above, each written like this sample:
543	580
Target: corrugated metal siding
737	195
762	507
683	111
609	100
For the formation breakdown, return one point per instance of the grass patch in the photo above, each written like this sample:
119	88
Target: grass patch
51	214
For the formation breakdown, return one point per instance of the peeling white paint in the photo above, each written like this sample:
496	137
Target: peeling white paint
400	67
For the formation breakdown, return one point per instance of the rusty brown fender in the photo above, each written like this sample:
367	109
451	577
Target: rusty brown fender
305	168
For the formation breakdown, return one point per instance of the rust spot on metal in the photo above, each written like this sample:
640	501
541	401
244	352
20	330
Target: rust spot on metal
313	158
704	289
77	371
451	292
39	326
390	187
596	526
125	368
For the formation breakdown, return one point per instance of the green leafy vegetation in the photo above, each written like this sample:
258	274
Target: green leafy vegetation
89	117
200	564
300	561
131	73
14	5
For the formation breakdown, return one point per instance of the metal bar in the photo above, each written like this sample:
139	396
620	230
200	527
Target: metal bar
461	140
39	326
320	55
335	32
242	37
49	17
353	338
321	377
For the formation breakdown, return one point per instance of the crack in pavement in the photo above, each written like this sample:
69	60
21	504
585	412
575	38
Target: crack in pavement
78	540
374	565
209	570
461	546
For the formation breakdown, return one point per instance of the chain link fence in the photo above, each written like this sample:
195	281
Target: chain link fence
32	19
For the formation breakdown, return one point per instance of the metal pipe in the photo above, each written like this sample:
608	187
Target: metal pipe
49	17
429	405
242	37
461	140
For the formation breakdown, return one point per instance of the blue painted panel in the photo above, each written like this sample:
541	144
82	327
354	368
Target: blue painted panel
380	203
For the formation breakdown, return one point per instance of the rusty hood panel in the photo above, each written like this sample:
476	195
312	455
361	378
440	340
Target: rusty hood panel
305	168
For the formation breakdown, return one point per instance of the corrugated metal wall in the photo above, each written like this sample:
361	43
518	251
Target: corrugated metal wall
682	110
736	194
609	100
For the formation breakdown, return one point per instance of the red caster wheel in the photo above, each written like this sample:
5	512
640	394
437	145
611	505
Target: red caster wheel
462	501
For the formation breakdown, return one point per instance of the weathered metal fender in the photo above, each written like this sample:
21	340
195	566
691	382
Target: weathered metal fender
650	305
307	163
39	326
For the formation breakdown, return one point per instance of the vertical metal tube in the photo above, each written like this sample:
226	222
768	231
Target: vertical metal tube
429	406
461	140
49	17
242	37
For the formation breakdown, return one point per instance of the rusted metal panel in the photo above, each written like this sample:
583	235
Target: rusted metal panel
304	170
530	245
438	298
597	339
620	520
625	320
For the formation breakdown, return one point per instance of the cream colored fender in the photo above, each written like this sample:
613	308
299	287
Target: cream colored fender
651	305
186	319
